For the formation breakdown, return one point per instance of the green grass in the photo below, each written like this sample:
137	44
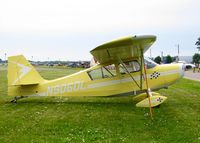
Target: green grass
87	119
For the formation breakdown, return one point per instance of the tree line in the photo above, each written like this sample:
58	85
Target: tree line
169	59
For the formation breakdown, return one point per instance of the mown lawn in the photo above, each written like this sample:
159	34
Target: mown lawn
84	119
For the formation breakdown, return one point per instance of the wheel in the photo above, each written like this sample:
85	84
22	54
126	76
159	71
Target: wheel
13	101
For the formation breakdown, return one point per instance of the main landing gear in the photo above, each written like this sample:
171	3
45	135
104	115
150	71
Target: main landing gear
17	98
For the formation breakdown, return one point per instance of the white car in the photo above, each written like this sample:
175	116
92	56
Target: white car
187	66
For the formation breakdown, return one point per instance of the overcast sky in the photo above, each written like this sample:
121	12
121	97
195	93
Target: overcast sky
68	30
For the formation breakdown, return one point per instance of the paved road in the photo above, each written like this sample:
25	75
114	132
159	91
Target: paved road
192	76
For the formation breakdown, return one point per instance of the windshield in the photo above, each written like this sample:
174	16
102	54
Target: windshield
149	63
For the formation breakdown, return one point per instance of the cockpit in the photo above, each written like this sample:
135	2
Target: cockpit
127	67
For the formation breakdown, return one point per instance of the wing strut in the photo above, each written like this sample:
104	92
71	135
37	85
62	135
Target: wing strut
121	62
147	85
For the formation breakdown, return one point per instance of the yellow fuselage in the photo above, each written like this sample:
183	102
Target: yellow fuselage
80	84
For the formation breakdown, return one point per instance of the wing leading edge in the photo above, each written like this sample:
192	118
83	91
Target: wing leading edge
124	48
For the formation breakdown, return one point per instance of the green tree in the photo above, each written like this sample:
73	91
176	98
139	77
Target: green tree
169	59
198	44
196	58
157	59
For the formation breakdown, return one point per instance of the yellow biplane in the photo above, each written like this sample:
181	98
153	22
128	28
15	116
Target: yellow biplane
121	69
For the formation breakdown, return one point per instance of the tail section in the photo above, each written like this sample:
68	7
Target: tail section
21	72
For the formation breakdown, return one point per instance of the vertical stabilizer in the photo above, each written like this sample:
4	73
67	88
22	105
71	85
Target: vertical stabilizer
21	72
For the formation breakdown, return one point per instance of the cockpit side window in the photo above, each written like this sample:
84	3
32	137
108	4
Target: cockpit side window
149	63
103	72
131	66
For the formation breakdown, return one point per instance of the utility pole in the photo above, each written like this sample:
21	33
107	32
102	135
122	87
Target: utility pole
162	56
178	53
5	57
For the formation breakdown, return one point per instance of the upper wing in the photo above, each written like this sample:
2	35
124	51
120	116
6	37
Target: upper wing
124	48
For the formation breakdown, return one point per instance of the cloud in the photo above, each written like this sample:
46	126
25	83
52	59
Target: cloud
68	27
47	16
